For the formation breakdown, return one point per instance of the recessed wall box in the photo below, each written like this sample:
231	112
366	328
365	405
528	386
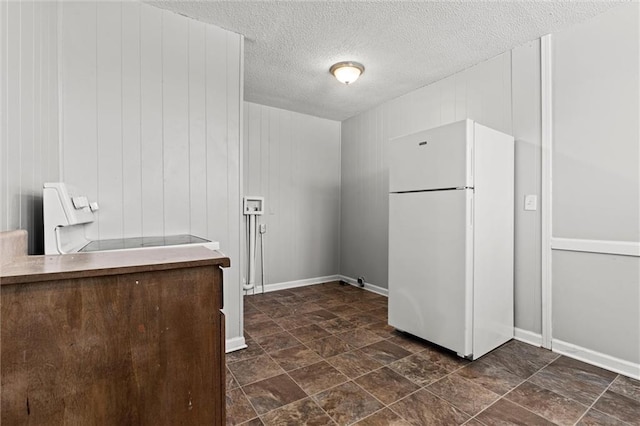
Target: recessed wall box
253	205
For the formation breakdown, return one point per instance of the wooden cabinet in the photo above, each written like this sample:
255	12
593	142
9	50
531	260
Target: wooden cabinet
122	338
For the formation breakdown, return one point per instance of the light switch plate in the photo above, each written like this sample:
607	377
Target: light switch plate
531	202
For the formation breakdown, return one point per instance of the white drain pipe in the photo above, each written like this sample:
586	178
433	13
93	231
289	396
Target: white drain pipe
252	254
253	206
263	230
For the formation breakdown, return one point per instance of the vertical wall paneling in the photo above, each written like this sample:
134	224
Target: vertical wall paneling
50	161
595	303
590	138
4	83
216	129
265	170
546	188
293	160
13	112
264	175
274	161
197	129
253	170
150	112
274	184
216	137
595	160
175	122
11	115
29	113
151	122
131	118
526	111
109	103
233	100
54	127
38	119
288	187
79	100
482	93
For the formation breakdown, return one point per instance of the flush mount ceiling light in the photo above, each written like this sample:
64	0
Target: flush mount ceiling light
346	72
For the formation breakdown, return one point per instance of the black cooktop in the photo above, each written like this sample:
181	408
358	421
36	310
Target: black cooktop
141	242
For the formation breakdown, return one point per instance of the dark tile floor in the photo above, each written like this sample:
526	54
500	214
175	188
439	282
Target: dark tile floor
323	355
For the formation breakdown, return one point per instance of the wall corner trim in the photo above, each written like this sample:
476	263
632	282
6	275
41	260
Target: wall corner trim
527	336
546	101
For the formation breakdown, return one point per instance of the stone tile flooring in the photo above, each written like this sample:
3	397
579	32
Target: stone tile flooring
323	355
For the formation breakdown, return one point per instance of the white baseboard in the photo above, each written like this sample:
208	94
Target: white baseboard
293	284
234	344
318	280
589	356
367	286
527	336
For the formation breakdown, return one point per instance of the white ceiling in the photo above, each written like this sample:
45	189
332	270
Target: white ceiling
290	45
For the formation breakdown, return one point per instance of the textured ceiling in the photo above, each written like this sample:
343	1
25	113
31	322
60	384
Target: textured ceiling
290	45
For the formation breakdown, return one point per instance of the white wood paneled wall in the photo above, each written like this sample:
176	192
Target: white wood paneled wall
146	116
487	93
526	113
29	113
293	160
151	107
595	158
482	93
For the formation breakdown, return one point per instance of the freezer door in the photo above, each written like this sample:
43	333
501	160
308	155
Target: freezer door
430	266
432	159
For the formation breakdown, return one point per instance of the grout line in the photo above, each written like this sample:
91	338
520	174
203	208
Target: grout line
471	416
454	405
310	396
403	398
597	399
335	333
371	395
503	396
250	403
527	380
327	304
372	414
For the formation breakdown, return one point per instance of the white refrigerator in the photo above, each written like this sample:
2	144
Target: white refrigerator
451	236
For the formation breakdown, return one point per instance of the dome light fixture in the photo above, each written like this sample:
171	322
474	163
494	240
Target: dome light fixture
346	72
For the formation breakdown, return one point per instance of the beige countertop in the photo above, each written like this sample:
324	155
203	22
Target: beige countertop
30	269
